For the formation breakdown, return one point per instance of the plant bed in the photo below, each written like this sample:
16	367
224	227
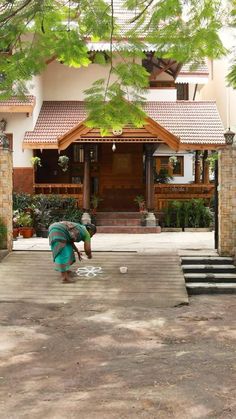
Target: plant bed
171	229
199	229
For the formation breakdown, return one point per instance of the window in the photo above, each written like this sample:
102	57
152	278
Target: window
163	162
182	91
78	153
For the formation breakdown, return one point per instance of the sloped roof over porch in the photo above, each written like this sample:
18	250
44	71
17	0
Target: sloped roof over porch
181	125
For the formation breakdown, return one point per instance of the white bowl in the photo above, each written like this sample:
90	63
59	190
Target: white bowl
123	269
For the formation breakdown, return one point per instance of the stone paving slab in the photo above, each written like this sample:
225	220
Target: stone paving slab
181	242
151	280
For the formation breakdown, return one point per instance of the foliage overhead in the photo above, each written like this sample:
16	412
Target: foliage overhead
35	32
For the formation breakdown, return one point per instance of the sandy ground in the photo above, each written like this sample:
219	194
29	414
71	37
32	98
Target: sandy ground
84	360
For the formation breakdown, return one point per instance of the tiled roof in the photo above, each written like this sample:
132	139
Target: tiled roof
14	101
192	122
56	119
200	69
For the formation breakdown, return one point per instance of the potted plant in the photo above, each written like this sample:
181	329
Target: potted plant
95	199
63	162
15	223
26	222
36	162
139	199
162	176
173	161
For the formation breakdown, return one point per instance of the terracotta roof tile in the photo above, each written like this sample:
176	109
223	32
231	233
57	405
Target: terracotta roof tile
29	100
192	122
200	69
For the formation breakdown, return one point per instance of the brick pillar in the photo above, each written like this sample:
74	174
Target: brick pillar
6	192
227	201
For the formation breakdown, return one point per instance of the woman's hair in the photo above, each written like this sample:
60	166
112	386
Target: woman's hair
91	228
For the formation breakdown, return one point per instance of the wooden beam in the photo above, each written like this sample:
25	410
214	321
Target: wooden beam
162	133
160	70
39	146
197	146
17	108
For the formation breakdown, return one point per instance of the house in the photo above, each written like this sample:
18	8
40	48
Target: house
51	122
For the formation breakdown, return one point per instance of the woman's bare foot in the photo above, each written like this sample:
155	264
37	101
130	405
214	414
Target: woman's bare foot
67	277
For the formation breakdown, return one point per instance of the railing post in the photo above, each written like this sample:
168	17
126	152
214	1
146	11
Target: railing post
205	168
197	167
150	219
86	185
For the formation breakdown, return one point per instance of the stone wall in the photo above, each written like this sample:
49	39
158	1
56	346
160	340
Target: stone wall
227	201
6	192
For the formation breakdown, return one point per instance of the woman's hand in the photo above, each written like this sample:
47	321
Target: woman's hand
77	251
79	255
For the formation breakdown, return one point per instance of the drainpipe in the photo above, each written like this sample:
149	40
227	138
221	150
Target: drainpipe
195	91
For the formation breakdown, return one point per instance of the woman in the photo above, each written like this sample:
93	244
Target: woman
62	236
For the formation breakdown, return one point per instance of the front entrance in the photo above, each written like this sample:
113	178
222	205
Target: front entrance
121	176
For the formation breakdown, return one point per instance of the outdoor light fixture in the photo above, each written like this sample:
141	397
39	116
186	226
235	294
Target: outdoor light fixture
113	147
229	137
3	124
4	142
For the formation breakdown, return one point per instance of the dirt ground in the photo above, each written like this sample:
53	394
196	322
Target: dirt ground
85	361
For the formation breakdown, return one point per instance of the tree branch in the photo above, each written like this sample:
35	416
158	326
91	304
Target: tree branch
6	18
142	12
111	49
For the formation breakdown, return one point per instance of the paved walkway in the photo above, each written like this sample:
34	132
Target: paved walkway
154	275
171	243
150	281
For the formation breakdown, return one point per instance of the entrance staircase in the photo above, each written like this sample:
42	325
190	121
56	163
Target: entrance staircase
122	222
209	274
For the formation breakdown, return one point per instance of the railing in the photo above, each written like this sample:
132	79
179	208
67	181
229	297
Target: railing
163	192
73	190
168	192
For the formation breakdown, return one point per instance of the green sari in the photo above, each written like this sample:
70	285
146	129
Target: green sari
61	237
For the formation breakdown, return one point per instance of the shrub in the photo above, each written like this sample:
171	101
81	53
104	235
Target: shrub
47	209
3	234
21	201
191	213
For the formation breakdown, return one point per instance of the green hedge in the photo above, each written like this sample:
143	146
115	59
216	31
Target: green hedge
3	234
188	214
47	209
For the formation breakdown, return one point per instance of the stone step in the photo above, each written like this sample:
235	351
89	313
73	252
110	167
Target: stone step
118	222
208	268
204	260
209	277
117	215
128	229
210	288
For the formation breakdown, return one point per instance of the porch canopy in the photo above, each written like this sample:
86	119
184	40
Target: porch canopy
182	125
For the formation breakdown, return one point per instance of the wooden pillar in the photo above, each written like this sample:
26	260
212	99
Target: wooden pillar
86	183
197	167
149	150
205	168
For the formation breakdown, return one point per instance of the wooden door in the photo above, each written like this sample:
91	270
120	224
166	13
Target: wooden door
120	176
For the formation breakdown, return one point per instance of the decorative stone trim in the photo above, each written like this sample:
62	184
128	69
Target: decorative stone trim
227	201
6	192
